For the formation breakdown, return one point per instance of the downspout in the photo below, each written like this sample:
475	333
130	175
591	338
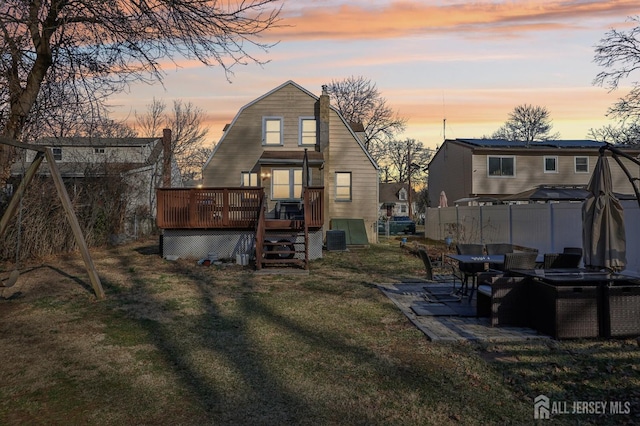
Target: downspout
324	111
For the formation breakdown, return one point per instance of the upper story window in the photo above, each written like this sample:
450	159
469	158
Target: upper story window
249	179
308	131
99	150
501	166
402	195
550	164
272	131
581	164
57	153
343	186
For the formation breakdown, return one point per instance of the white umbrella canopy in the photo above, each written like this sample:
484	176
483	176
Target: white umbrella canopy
603	233
443	202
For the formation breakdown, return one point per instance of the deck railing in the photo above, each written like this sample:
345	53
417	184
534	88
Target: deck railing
219	208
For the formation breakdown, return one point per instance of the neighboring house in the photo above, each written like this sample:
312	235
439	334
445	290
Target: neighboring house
394	199
262	151
488	169
140	160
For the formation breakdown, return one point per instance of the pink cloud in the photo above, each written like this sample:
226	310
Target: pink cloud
406	18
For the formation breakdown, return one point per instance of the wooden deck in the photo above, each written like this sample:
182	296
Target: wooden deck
229	208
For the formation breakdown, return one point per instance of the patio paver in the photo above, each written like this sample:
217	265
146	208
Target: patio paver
451	328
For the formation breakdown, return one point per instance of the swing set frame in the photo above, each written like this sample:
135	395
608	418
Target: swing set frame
43	152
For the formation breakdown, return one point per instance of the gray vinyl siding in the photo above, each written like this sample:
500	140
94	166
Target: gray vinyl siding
345	155
529	173
241	147
450	171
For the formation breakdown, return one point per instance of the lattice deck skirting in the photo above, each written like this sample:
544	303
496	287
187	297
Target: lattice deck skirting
225	244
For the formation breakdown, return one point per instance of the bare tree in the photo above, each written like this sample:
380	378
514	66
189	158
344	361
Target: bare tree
397	156
527	123
187	132
151	123
619	53
359	101
623	134
95	48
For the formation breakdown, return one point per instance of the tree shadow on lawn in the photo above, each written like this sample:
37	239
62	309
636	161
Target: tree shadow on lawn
575	370
263	387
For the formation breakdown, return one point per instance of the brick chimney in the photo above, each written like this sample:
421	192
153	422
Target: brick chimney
166	158
324	111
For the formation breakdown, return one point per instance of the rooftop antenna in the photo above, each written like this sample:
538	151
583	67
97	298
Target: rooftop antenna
444	129
444	120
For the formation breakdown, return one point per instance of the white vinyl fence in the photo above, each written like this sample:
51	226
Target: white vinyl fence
547	227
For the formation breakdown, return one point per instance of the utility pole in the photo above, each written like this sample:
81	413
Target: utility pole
409	177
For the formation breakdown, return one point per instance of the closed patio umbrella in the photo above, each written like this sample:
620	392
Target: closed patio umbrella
603	232
443	200
305	170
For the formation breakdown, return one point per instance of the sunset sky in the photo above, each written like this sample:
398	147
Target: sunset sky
470	62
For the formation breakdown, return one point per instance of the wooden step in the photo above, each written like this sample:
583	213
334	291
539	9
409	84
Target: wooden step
283	224
300	262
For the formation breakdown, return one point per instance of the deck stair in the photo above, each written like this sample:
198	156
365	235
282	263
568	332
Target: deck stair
282	242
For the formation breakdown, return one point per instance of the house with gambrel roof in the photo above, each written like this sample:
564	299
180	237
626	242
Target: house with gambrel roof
280	149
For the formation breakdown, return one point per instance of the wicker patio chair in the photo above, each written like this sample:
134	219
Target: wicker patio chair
470	270
505	283
561	260
520	260
505	300
498	248
574	250
454	294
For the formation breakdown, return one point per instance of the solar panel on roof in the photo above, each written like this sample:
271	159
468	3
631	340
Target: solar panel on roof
501	143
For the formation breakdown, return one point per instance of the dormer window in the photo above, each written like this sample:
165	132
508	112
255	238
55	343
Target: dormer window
402	195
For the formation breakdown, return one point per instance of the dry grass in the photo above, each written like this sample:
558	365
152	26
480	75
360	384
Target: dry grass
178	343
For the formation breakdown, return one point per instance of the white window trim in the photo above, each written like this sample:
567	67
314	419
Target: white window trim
57	152
350	187
544	163
575	164
300	121
264	130
502	176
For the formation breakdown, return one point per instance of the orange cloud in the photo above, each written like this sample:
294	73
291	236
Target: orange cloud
407	18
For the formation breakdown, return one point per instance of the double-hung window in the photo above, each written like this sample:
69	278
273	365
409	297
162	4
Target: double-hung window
286	184
581	164
272	131
501	166
57	154
550	164
343	186
308	131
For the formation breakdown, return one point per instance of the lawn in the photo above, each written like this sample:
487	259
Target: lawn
179	343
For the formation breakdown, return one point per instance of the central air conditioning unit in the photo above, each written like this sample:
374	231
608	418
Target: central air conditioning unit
336	240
